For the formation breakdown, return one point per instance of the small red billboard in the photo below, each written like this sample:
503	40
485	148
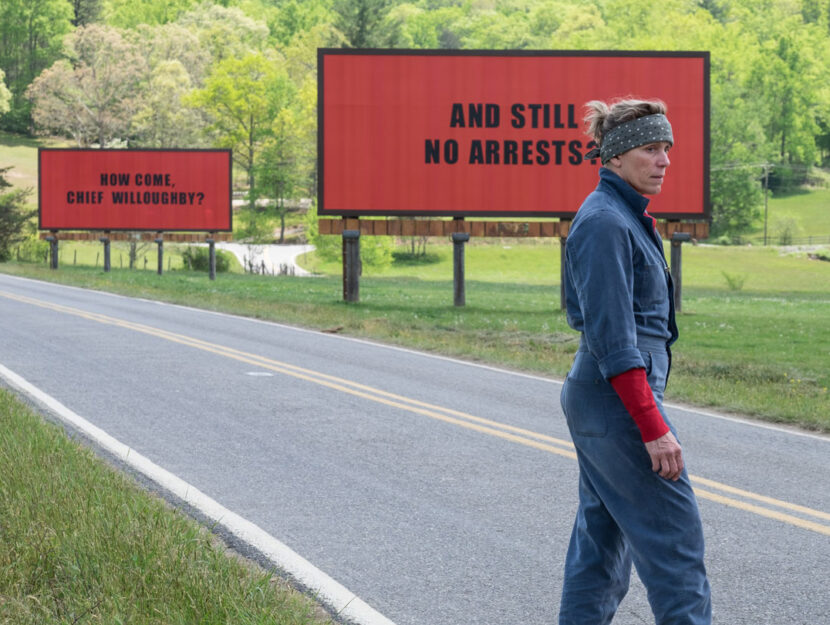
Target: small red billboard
158	190
494	133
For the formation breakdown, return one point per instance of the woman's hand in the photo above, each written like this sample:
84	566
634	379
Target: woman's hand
666	456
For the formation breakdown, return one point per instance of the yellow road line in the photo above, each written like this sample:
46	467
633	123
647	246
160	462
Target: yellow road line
765	512
504	431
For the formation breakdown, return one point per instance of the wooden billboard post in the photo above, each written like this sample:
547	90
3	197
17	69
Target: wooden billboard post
458	241
351	265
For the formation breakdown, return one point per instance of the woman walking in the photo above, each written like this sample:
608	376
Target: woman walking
636	504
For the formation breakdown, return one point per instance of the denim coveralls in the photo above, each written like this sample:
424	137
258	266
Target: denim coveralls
619	295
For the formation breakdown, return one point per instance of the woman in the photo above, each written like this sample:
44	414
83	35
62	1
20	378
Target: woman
635	501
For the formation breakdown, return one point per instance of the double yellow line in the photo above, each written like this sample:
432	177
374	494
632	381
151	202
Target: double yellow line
786	512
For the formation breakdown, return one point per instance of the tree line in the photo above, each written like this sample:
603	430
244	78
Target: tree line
241	74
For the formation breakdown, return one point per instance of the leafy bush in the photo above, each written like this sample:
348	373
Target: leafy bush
32	250
198	259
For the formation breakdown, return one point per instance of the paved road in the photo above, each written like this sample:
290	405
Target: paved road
440	492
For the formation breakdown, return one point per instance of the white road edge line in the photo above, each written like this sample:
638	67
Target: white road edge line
691	410
338	598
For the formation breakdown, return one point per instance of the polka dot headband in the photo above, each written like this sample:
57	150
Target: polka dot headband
633	134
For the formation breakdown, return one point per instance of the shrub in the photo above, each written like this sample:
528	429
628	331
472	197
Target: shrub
197	258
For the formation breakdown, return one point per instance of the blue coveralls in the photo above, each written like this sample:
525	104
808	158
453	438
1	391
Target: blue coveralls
619	295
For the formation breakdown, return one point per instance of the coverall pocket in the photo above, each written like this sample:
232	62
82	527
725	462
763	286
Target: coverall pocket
650	286
588	406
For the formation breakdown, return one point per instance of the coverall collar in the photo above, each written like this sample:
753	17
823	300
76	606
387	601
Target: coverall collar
637	202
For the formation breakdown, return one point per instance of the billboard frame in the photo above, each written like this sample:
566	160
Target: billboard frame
322	211
95	228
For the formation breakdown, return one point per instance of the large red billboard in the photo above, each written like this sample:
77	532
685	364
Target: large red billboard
494	133
159	190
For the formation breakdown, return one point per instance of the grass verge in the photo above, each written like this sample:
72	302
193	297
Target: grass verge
759	352
80	543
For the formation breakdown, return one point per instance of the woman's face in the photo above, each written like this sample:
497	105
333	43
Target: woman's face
644	167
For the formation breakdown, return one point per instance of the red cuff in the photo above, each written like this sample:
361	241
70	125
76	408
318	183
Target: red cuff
635	393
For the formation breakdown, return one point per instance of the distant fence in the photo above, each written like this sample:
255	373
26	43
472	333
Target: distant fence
784	239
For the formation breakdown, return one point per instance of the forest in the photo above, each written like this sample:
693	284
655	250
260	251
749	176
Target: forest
241	74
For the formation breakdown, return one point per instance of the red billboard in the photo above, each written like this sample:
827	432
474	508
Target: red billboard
159	190
494	133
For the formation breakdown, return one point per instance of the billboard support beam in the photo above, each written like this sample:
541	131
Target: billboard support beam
211	257
458	241
106	241
351	265
53	249
160	243
677	240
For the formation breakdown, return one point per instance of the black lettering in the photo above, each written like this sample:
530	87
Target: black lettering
113	180
457	116
511	153
432	151
572	116
451	151
557	116
558	144
518	120
534	114
476	153
574	147
475	116
527	152
543	157
492	115
591	145
70	197
492	148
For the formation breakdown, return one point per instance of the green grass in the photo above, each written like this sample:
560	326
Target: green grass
804	212
80	543
760	351
20	153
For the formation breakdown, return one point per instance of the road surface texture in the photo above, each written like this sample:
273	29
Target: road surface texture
438	492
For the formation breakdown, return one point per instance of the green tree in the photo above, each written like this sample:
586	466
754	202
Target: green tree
366	23
13	216
131	13
5	95
94	93
85	11
225	32
238	96
278	175
30	40
172	42
294	17
162	121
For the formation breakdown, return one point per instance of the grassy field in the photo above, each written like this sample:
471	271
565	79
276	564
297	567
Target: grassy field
80	543
756	344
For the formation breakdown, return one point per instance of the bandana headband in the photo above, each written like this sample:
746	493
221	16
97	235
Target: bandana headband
633	134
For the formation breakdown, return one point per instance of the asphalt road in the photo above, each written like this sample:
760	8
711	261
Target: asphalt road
439	492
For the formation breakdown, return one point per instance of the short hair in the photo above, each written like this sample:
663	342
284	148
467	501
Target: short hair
600	117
